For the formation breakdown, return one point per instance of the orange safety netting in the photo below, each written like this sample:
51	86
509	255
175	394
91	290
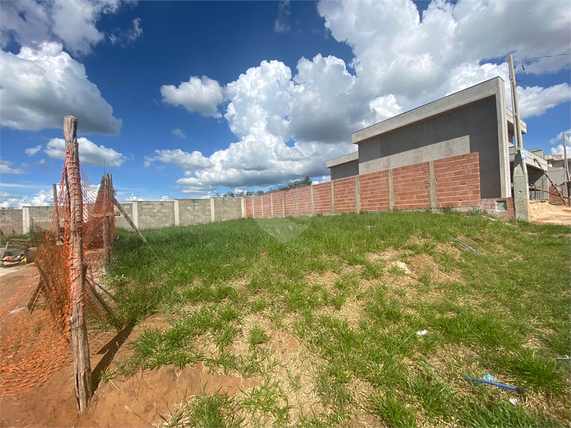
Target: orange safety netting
35	328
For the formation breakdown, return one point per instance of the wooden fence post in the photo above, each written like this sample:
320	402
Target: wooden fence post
80	345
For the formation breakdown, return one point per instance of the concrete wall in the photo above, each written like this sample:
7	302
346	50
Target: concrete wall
145	214
472	128
349	169
11	221
450	182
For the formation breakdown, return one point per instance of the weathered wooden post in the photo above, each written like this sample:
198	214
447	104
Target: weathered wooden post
80	345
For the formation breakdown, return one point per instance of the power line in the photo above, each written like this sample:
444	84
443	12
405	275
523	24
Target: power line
522	63
546	56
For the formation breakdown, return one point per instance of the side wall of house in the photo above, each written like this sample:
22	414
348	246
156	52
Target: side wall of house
471	128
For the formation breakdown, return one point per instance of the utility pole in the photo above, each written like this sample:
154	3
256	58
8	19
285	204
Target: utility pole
520	180
567	180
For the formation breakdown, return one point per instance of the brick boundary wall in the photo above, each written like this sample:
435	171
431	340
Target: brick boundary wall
449	182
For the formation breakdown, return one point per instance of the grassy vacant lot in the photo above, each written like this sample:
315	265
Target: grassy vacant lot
325	311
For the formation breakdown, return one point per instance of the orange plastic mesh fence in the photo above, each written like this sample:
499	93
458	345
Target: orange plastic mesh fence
35	343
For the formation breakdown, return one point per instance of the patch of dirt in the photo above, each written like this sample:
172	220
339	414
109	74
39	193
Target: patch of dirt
151	393
546	213
422	264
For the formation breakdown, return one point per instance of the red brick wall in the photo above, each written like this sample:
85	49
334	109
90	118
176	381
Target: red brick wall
457	181
322	198
304	200
267	206
457	184
344	195
410	187
257	206
375	191
277	203
249	210
489	206
289	200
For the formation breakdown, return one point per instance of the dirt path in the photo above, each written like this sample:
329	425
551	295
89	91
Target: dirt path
546	213
150	393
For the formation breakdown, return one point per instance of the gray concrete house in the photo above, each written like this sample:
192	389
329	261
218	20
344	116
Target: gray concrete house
475	119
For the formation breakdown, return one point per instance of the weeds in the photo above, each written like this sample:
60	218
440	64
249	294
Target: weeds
505	312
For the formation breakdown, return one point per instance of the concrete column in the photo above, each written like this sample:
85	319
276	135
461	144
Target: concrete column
283	203
253	207
312	207
332	198
212	211
521	189
357	194
391	191
26	224
296	204
262	206
135	208
176	213
431	185
272	204
243	206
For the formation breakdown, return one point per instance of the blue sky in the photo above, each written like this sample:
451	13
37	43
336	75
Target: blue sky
187	98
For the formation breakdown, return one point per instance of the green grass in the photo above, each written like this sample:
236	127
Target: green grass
353	291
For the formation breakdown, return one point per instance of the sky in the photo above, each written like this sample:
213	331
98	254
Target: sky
190	99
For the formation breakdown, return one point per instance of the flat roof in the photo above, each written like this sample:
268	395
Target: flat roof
342	159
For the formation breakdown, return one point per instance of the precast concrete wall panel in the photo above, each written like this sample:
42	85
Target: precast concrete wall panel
322	198
344	195
375	193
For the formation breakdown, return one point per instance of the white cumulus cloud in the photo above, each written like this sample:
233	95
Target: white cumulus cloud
186	161
287	124
6	168
178	133
38	87
200	95
89	152
33	150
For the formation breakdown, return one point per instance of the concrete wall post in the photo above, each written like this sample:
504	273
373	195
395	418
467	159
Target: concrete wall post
262	206
431	185
296	204
176	213
25	220
332	198
212	211
253	207
272	204
357	194
283	203
243	206
135	213
391	191
312	206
